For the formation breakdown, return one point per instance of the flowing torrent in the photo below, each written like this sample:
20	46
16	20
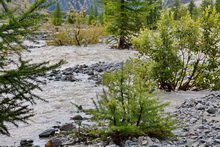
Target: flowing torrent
60	94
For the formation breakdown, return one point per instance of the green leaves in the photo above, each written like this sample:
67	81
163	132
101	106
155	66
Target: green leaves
184	52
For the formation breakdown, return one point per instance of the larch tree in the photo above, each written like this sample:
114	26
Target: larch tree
176	9
205	4
217	5
192	8
123	18
57	15
17	84
154	13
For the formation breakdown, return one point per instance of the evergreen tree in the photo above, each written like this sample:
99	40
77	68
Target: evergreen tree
205	4
176	9
217	6
154	13
128	107
191	7
57	15
93	14
123	18
17	84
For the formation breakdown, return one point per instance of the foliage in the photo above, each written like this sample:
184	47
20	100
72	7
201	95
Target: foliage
192	8
205	4
93	18
128	107
217	5
175	9
154	13
57	15
74	36
185	53
17	84
123	18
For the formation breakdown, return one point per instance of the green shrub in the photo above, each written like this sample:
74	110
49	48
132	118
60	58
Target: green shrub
128	107
185	53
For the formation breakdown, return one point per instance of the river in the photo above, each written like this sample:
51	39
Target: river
59	95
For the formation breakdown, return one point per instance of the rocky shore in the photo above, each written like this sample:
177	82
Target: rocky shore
199	118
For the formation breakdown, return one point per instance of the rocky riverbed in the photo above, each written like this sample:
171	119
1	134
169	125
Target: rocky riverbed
78	81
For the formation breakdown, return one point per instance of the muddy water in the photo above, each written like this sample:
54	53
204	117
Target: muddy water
60	94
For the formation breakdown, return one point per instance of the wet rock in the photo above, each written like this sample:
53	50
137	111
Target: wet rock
211	110
67	127
47	133
77	117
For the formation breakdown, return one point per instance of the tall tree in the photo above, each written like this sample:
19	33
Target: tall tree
123	18
217	5
176	9
57	15
154	12
191	7
205	4
17	84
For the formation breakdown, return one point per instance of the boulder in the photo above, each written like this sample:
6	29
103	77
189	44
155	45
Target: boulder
211	110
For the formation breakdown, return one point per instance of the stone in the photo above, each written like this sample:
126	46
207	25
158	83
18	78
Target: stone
47	133
56	142
77	117
217	141
26	143
200	106
195	144
193	120
70	78
150	142
144	142
211	110
67	127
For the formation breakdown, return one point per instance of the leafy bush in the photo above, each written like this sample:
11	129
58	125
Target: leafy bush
185	53
128	107
75	36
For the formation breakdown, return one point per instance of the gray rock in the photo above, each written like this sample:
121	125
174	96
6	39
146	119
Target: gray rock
47	133
26	143
193	120
200	106
195	144
211	110
70	78
217	141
